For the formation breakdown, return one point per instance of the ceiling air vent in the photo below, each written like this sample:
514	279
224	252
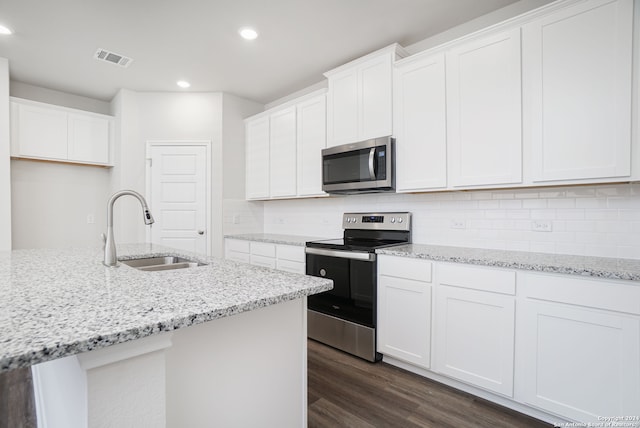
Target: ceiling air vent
112	57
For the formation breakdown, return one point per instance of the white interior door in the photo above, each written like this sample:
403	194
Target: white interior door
178	189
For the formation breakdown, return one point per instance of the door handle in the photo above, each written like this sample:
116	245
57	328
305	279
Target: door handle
372	172
201	232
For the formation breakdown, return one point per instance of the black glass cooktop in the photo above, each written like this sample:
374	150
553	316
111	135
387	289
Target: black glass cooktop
354	245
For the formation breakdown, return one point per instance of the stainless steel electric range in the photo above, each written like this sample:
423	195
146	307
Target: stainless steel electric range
345	317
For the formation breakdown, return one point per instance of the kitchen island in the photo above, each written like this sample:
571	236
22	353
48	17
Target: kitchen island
124	347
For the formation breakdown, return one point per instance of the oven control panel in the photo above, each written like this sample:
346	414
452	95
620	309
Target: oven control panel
384	221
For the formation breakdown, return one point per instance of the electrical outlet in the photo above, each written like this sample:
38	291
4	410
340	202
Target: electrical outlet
458	224
90	219
235	219
279	220
541	225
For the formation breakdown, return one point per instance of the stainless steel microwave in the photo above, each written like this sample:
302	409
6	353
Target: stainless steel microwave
363	167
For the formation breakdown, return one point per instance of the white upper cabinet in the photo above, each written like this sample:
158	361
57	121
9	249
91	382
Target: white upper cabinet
49	132
312	138
282	153
342	121
359	102
257	158
484	119
578	84
419	124
88	139
284	149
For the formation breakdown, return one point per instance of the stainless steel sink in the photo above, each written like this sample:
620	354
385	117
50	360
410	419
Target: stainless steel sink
162	263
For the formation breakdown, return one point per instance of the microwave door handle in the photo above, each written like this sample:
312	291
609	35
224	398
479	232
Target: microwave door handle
372	155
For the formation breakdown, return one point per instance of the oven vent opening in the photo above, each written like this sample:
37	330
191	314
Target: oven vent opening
112	57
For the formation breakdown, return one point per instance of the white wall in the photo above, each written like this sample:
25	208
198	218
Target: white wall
5	166
602	220
51	202
187	116
239	215
45	95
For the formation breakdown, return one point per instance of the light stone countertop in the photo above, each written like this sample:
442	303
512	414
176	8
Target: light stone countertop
55	303
273	238
601	267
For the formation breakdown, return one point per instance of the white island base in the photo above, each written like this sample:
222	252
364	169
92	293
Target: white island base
245	370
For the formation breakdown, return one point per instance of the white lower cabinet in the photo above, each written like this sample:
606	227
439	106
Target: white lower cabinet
237	250
579	347
289	258
404	309
474	326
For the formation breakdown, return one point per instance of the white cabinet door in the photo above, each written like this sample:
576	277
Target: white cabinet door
342	122
474	337
484	119
88	138
404	319
237	250
359	101
39	132
375	97
419	109
282	153
578	362
312	125
578	77
257	158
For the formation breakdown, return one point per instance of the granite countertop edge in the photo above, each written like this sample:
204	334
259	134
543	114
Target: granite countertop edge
274	238
21	350
585	266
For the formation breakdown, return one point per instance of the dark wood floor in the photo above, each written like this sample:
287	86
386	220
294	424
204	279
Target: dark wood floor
345	391
17	407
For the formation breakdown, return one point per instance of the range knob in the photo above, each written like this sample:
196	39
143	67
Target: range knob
348	219
353	220
393	219
399	219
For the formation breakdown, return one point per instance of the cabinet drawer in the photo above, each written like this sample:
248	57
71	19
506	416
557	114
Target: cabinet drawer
263	261
589	292
238	256
405	267
238	245
290	266
290	252
477	278
263	249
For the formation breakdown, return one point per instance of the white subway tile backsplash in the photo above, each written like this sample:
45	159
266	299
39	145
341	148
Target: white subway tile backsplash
543	214
534	203
562	203
570	214
511	204
583	218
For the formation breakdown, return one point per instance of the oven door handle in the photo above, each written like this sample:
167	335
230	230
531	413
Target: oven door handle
353	255
372	155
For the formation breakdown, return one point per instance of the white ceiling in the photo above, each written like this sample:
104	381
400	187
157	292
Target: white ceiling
197	40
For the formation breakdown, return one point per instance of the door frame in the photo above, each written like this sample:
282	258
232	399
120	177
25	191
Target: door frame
208	199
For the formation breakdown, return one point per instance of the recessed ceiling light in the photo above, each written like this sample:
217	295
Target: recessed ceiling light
183	83
248	33
5	30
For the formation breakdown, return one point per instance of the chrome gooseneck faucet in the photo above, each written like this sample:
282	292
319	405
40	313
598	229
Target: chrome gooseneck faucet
110	257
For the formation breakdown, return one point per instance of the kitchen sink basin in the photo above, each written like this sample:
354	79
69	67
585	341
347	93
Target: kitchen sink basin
162	263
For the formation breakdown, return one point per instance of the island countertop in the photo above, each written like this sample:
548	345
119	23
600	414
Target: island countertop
55	303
